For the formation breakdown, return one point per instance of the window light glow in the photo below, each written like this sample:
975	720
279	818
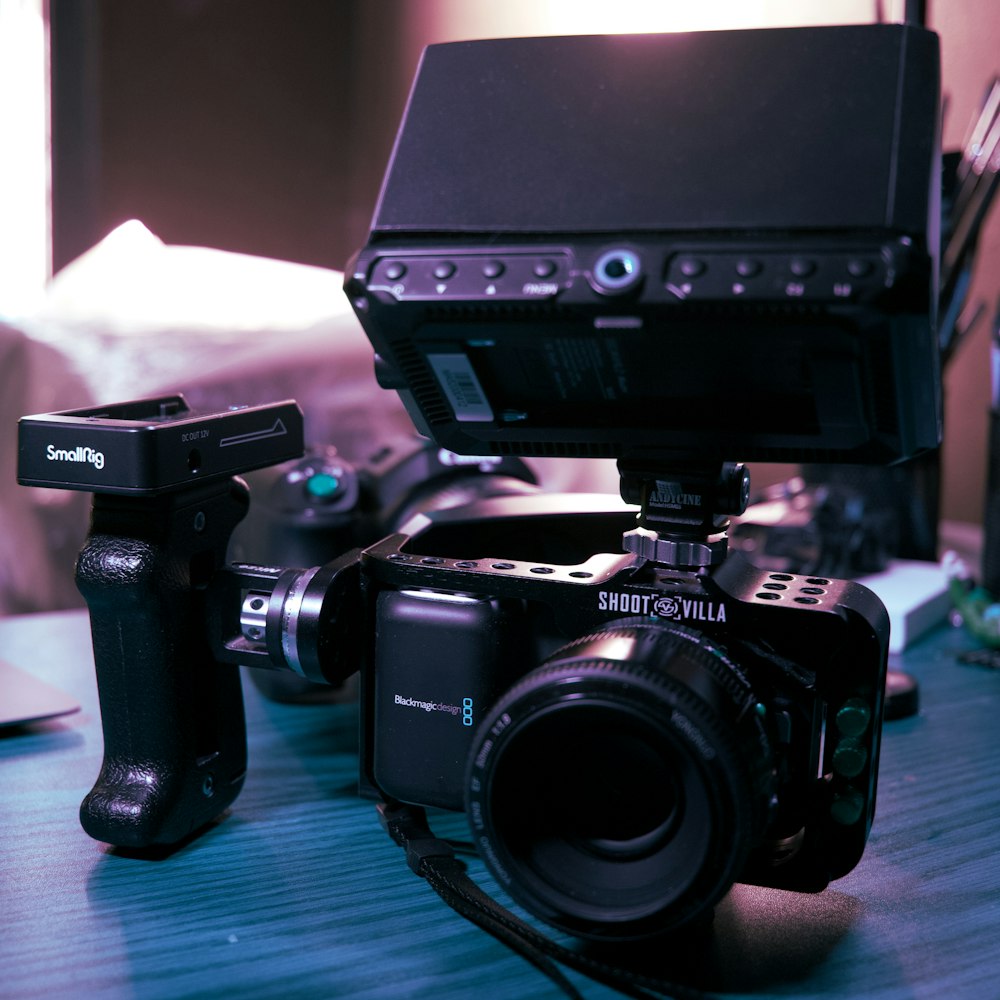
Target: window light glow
453	19
24	174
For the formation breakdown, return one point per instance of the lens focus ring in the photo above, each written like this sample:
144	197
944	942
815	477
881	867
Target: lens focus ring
616	790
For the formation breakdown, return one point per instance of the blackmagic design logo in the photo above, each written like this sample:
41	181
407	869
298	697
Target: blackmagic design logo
428	706
661	606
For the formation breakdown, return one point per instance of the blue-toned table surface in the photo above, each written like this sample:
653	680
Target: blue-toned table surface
298	893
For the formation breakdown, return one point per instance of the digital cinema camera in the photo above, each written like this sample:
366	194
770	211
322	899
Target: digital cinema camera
670	250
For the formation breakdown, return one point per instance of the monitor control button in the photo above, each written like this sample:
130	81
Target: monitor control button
691	267
859	268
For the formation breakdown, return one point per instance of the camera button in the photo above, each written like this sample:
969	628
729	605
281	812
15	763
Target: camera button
444	270
801	267
493	269
849	758
395	271
853	717
847	807
691	267
323	487
544	268
747	267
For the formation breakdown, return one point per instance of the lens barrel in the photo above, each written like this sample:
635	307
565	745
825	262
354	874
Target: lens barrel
616	791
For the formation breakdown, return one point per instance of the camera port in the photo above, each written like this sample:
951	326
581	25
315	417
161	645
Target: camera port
616	271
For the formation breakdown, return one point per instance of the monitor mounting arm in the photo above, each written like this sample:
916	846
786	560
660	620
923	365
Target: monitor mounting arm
684	509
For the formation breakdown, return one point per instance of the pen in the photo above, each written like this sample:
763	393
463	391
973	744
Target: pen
995	362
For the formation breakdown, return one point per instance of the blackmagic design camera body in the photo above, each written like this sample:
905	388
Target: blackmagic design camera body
688	730
668	250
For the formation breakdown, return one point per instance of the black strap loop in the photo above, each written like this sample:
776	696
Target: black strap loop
434	860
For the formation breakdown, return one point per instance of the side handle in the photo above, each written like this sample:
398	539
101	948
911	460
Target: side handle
174	728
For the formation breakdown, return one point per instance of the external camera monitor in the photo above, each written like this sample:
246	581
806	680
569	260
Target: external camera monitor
717	245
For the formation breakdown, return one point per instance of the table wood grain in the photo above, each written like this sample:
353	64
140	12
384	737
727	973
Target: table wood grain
298	893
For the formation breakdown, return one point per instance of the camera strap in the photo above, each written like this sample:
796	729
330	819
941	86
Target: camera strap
434	860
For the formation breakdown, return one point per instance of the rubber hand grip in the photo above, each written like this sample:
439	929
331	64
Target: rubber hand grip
173	721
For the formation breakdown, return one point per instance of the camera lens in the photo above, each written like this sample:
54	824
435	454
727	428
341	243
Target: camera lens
616	791
616	271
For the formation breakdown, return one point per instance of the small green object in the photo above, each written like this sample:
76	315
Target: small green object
980	612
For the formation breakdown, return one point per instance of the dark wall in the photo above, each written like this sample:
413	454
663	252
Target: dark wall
258	126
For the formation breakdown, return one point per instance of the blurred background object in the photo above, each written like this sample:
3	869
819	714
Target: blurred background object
261	130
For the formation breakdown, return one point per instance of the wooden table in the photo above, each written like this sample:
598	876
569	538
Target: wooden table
298	893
